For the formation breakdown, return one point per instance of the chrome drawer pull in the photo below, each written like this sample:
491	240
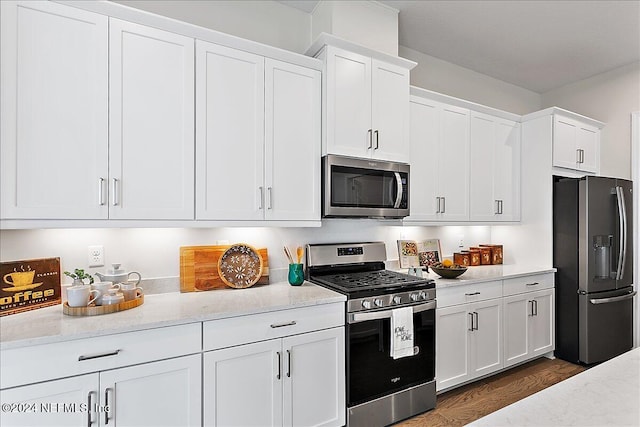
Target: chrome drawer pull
98	355
107	407
533	284
280	325
473	293
279	365
89	406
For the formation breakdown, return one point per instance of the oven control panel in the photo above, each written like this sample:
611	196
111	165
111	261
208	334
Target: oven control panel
352	250
390	301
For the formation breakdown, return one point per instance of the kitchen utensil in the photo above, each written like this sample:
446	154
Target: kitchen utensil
299	253
296	274
288	254
240	266
103	288
117	275
199	268
448	273
79	295
113	296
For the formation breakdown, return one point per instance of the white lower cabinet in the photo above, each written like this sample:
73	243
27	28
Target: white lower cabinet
528	325
468	342
291	381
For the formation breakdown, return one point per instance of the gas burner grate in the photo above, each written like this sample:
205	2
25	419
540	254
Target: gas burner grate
370	279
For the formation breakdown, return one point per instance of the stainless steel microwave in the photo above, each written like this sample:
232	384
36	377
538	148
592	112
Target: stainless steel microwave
364	188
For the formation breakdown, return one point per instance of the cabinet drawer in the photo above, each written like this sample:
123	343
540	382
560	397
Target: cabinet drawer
468	293
534	282
245	329
57	360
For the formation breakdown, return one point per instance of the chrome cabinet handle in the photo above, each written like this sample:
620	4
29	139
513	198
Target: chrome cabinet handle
116	196
279	365
444	206
473	293
370	136
107	406
472	328
101	191
475	313
288	364
98	355
532	284
437	204
530	304
280	325
270	196
261	189
535	307
581	155
577	155
89	406
377	139
497	207
501	212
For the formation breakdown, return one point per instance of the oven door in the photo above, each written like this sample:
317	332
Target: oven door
364	188
371	371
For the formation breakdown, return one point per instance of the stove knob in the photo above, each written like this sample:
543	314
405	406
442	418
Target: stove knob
366	304
423	295
378	302
414	297
397	299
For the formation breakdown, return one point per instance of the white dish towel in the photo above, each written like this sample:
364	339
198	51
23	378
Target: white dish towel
402	332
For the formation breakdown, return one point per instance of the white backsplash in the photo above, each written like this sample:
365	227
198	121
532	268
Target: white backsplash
155	252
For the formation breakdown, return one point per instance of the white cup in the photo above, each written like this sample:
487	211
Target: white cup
130	290
112	297
103	289
79	295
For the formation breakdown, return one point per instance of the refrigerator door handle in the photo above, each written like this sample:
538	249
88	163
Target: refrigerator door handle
622	214
613	299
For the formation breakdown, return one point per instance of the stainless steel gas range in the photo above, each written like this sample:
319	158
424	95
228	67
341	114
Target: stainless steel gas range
383	386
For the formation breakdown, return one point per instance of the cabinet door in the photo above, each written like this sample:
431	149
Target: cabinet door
486	340
588	140
564	143
54	104
424	136
453	164
453	324
229	133
541	324
483	167
314	382
243	385
292	141
506	178
517	311
164	393
390	111
348	103
151	136
53	403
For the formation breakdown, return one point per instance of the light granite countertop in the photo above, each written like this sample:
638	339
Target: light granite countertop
47	325
606	395
486	273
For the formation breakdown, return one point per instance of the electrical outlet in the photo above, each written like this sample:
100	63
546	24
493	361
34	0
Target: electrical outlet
461	241
96	256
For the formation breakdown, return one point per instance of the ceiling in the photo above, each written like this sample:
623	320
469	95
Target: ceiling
539	45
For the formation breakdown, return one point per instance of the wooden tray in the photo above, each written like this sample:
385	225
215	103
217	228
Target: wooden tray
199	268
95	310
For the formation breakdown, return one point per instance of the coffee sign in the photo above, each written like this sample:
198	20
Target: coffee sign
29	284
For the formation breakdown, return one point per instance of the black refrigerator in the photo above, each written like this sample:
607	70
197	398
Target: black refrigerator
593	254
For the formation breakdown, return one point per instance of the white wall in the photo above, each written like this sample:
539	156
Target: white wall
611	98
155	253
444	77
267	22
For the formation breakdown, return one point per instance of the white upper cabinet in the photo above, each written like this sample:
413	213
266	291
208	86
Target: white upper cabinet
54	103
366	106
494	168
439	147
257	137
576	144
229	133
151	138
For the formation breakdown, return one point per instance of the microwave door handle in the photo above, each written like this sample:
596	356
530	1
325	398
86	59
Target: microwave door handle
396	205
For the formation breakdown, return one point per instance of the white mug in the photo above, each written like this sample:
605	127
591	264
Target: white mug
130	290
103	289
79	295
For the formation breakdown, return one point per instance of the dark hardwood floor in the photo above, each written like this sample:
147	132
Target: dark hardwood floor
468	403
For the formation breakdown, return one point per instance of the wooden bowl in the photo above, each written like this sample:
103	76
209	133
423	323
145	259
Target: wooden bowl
449	273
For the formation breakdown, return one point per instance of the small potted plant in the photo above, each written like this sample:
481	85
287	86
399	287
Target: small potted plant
78	276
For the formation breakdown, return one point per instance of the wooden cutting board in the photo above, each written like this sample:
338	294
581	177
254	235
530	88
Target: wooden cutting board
199	268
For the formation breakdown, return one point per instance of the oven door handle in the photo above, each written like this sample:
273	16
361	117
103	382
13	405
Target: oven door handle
386	314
